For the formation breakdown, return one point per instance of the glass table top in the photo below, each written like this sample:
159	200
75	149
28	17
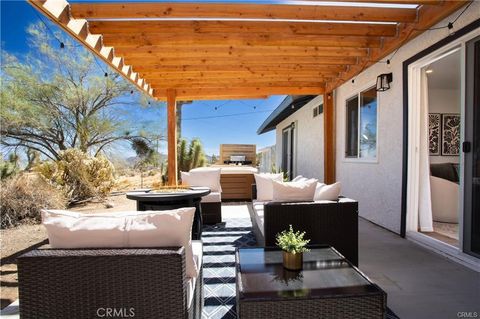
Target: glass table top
325	273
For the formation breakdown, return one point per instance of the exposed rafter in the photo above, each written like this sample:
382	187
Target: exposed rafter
213	50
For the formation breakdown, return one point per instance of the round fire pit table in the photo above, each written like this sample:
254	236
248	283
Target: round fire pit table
165	200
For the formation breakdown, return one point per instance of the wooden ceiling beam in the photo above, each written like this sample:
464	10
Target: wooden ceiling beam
235	74
242	27
238	68
428	16
233	39
137	10
235	68
268	61
187	94
248	84
417	2
237	51
219	97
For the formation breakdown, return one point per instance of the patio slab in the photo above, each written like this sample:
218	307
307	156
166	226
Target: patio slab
419	283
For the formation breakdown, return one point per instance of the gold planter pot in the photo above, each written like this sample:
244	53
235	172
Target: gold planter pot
292	261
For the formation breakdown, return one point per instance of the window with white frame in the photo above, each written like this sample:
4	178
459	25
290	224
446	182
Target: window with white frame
361	125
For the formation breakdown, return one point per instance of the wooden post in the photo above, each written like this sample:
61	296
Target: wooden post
172	136
329	137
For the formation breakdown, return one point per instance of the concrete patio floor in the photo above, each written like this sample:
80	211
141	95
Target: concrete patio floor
419	283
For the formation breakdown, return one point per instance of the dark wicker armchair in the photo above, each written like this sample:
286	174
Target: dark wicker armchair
333	223
91	283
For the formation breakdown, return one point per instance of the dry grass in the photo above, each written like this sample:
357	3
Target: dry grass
22	197
133	180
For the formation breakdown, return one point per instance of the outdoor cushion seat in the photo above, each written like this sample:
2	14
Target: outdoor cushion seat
212	203
213	197
197	249
258	213
107	277
329	222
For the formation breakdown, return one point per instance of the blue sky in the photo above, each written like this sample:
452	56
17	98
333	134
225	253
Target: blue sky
214	122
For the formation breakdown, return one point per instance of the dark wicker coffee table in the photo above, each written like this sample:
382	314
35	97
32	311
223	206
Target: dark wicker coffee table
329	286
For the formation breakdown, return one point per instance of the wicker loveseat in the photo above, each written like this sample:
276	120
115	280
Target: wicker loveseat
116	283
333	223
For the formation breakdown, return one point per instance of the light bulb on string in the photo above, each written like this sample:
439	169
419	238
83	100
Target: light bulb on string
450	28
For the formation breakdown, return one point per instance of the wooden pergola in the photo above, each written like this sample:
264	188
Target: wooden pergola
209	51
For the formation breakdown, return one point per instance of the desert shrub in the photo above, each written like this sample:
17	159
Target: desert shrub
79	175
24	195
10	167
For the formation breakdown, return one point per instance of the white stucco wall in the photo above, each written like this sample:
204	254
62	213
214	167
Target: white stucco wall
378	186
308	140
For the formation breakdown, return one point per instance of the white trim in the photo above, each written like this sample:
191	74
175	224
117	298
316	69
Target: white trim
444	249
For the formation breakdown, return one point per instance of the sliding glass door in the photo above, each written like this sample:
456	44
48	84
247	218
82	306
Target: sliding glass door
288	139
471	149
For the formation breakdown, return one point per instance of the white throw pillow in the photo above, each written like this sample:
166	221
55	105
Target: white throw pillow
135	229
163	229
299	178
265	186
302	191
328	192
206	177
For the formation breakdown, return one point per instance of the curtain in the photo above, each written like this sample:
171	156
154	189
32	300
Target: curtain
425	219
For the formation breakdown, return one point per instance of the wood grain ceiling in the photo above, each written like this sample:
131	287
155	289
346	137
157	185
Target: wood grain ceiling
234	50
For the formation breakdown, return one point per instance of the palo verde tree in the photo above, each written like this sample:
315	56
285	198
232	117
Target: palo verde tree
59	97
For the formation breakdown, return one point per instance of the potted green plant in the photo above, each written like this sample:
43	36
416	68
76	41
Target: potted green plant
293	245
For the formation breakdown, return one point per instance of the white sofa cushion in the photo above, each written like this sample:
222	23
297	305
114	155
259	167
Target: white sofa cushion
197	248
213	197
302	191
444	200
203	176
327	192
258	209
299	178
123	229
265	186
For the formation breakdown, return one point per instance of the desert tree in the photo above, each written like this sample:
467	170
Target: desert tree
60	97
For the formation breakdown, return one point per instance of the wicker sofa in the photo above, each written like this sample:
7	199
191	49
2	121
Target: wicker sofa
333	223
93	283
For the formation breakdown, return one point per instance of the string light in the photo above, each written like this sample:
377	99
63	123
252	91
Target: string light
449	26
225	115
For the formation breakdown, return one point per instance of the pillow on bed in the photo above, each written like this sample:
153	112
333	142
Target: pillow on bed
133	229
302	191
328	192
264	185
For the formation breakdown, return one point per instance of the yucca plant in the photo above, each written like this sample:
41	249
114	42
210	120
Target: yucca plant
292	241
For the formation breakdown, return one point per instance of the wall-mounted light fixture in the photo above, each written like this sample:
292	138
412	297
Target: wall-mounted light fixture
383	81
